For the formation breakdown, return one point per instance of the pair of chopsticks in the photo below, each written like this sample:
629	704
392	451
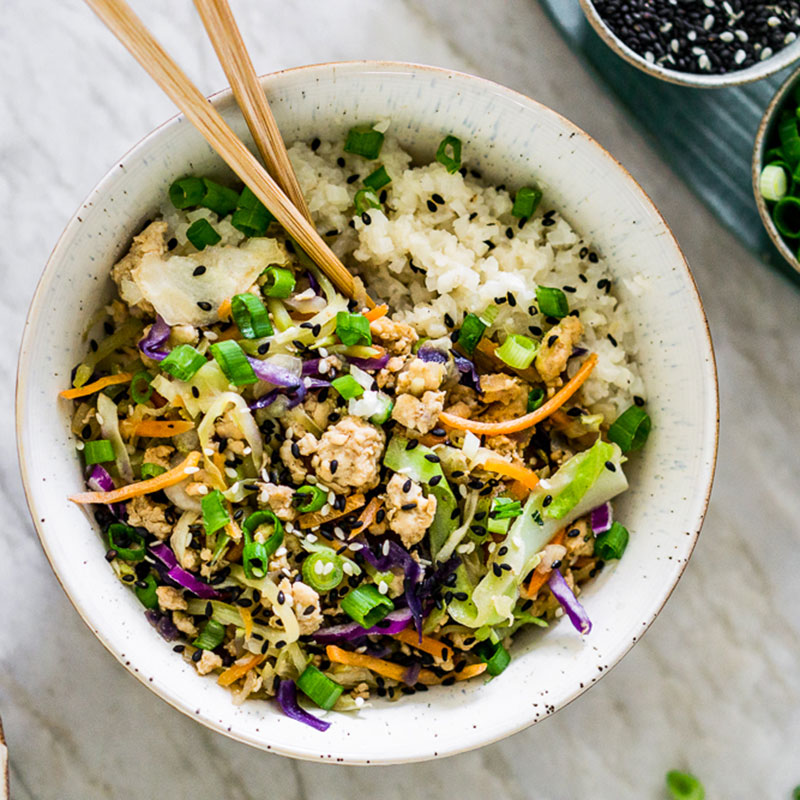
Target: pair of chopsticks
277	189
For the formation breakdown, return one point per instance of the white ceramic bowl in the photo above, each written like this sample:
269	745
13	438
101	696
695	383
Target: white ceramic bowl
510	139
756	72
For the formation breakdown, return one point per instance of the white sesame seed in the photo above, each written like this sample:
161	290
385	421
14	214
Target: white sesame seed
347	568
328	568
231	472
323	367
691	36
726	36
741	35
740	56
289	527
311	479
704	62
210	335
338	532
462	490
331	497
359	701
385	548
649	57
318	567
666	27
383	587
311	538
202	489
79	446
287	572
281	551
698	51
709	3
773	22
675	45
708	22
728	10
323	352
209	451
99	419
190	470
790	37
247	450
356	546
325	510
765	53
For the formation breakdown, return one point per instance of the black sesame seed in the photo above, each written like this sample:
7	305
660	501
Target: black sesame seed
547	222
93	345
334	466
509	233
502	551
197	655
352	178
281	598
295	450
548	498
473	215
436	479
179	648
610	466
407	485
433	458
382	196
172	243
431	206
411	444
380	516
408	506
512	301
498	573
197	271
638	400
315	143
340	162
583	278
535	330
490	244
263	348
332	232
611	339
593	258
129	578
366	218
437	198
570	289
204	305
551	340
111	555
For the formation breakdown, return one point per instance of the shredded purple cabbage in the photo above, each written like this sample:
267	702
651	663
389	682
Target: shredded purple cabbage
312	281
393	622
411	675
163	624
369	363
156	338
287	699
100	481
427	353
600	518
467	369
179	575
311	367
573	609
265	400
273	373
578	351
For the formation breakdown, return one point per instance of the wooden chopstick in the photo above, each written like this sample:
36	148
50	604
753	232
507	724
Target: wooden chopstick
231	51
129	29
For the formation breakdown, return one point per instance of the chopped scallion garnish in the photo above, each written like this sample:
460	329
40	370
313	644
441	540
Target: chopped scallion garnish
182	362
141	390
772	182
526	201
251	217
378	179
612	543
470	334
250	316
353	329
126	541
187	192
215	512
147	595
347	386
201	234
683	786
517	351
552	302
316	498
319	688
256	555
365	199
149	470
494	655
98	451
535	399
786	216
280	282
449	153
211	636
231	358
322	570
366	605
630	429
364	140
219	199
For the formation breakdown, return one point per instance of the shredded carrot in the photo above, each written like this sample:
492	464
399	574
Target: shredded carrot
316	518
224	310
366	517
96	386
539	579
162	428
396	671
519	490
377	312
247	619
232	674
428	644
168	478
527	420
526	477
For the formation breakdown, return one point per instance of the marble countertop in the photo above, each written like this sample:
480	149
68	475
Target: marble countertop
714	687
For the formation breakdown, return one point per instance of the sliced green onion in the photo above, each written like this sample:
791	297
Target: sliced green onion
149	470
683	786
322	570
319	688
147	596
353	328
251	316
215	512
612	543
366	199
495	656
256	555
449	153
126	541
790	139
219	199
187	192
775	154
552	302
470	334
772	183
182	362
139	394
630	429
378	179
786	216
316	498
366	605
255	560
497	525
526	201
247	199
211	636
517	351
98	452
348	387
201	234
280	282
505	508
535	399
251	217
386	405
230	356
489	315
364	140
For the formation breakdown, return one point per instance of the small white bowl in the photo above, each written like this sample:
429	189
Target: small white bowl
762	69
511	139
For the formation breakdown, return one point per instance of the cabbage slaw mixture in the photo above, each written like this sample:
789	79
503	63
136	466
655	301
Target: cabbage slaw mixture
305	494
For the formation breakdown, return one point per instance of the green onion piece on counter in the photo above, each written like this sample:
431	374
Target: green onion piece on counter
517	351
535	399
353	328
470	334
317	686
786	216
280	282
98	452
526	201
495	656
378	179
348	387
201	234
215	512
256	555
140	387
505	508
364	140
611	544
366	605
683	786
316	498
322	570
251	316
231	358
449	153
211	635
187	192
149	470
630	429
772	183
252	221
126	541
219	199
182	362
147	595
552	302
366	199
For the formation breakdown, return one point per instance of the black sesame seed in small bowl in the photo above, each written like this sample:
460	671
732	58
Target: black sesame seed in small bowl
700	43
776	160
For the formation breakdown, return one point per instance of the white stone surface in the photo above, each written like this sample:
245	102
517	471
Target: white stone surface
714	686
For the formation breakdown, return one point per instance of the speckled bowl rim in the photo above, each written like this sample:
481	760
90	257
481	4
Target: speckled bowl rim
704	490
783	58
764	129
